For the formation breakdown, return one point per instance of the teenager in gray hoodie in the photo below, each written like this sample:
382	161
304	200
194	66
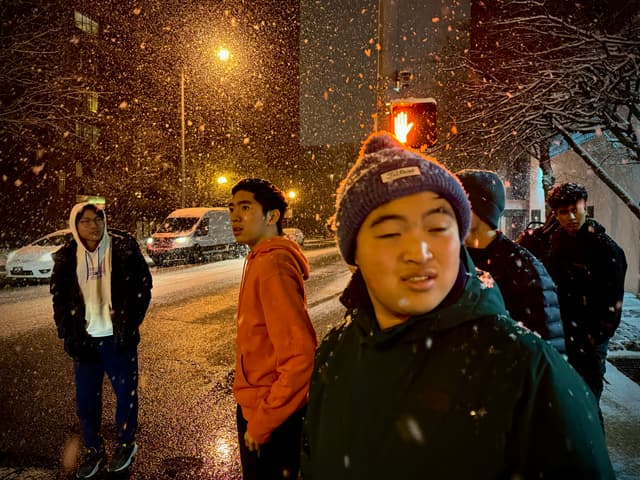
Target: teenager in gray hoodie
101	287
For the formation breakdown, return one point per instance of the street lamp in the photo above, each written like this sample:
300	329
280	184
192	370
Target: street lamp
291	195
223	55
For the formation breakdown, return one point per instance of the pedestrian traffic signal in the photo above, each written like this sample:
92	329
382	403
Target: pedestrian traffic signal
413	121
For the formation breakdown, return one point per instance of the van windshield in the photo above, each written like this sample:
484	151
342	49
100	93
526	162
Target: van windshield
177	224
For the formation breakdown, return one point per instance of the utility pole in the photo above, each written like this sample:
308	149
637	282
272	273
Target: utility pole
183	180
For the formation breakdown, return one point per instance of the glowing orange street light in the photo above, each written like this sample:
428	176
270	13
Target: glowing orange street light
224	54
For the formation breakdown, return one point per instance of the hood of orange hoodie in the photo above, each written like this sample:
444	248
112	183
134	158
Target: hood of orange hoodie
282	243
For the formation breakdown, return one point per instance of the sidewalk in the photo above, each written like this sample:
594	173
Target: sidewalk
620	401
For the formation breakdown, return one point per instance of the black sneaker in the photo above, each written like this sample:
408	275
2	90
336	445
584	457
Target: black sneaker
90	463
123	456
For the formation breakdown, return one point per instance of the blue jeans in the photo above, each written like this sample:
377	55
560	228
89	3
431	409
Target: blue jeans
121	366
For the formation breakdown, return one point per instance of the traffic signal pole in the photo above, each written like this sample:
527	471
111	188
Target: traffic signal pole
387	24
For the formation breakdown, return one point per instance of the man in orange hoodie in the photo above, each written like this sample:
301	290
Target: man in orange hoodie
275	343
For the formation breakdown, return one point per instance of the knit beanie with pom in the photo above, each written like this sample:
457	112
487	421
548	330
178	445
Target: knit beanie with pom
385	171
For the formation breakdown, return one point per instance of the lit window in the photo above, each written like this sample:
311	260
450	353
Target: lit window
91	102
85	24
88	132
62	182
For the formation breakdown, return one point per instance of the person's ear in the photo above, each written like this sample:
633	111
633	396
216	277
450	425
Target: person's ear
273	216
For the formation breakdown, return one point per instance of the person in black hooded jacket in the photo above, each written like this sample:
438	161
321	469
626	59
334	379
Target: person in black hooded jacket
589	268
428	376
527	288
537	239
101	287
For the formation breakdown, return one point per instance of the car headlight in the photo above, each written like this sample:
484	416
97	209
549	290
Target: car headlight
150	241
46	258
182	241
11	255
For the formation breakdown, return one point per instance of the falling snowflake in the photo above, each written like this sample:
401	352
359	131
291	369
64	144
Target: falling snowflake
486	279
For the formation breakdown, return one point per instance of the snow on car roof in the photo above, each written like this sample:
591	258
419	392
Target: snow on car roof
64	231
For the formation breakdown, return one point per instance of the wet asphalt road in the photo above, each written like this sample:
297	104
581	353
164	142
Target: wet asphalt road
187	412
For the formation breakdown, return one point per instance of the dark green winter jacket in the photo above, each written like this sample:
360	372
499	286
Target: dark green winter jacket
458	393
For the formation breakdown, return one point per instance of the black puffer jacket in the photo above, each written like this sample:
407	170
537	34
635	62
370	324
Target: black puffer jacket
589	270
527	288
131	285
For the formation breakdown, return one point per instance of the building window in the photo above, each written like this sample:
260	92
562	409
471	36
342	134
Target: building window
91	102
88	132
590	209
515	221
85	24
536	215
62	182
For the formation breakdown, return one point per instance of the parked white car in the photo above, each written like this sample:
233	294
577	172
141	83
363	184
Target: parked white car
294	234
36	259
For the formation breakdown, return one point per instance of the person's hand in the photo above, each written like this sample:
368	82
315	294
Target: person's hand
251	444
400	126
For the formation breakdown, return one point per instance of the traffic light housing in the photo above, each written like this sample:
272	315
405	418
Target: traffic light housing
413	121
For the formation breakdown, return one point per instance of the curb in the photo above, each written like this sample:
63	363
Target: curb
26	474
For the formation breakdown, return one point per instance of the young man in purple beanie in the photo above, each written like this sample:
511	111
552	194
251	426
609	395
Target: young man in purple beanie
428	375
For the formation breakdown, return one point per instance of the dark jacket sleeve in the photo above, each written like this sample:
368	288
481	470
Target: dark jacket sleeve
131	285
314	407
59	287
142	283
608	308
544	303
557	432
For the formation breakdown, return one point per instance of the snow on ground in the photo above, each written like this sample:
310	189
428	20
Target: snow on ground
626	341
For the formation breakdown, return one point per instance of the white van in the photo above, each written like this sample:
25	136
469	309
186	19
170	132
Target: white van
194	235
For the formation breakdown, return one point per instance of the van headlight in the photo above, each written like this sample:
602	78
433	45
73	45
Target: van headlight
150	241
182	241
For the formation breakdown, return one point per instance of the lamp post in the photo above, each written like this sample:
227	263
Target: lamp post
182	154
223	55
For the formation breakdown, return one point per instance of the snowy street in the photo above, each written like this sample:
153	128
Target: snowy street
187	414
186	360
